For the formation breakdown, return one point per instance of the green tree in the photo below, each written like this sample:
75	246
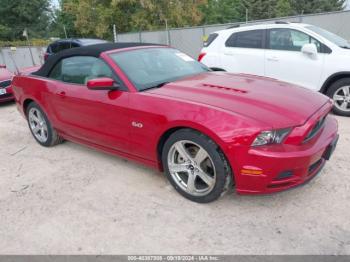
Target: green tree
95	18
16	15
62	20
283	8
223	11
316	6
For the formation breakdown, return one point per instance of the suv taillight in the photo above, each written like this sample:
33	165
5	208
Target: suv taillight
201	55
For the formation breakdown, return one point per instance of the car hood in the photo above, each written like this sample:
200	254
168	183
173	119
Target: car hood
267	100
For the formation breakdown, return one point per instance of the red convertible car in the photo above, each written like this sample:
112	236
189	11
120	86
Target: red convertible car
5	84
206	130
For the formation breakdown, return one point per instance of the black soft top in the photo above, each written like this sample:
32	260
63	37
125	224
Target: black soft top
92	50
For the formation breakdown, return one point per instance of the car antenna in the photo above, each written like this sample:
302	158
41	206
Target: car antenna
13	49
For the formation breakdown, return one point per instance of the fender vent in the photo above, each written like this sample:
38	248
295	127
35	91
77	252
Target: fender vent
226	88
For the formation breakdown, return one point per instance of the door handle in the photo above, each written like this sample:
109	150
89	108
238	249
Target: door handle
273	58
61	94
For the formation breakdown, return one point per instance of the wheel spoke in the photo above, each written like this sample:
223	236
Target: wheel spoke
344	105
200	156
190	183
39	116
338	98
36	129
176	168
35	119
206	178
346	90
182	151
42	132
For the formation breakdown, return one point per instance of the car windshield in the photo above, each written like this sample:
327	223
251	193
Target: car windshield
153	67
335	39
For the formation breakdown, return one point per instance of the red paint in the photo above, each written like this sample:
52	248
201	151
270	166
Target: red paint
4	76
200	57
103	83
46	56
231	109
7	75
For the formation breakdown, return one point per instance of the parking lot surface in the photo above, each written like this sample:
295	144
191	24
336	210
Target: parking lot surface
71	199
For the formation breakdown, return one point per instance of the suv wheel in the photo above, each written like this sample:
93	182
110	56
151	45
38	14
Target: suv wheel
340	93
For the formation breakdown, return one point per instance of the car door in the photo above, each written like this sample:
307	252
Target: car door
95	116
285	61
244	52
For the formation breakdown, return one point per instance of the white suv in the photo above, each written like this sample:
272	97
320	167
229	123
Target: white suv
302	54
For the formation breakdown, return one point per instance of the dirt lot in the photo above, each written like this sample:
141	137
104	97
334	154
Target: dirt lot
74	200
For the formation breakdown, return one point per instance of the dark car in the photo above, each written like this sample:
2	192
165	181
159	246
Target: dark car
64	44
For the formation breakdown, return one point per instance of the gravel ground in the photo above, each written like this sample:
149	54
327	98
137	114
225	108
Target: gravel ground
74	200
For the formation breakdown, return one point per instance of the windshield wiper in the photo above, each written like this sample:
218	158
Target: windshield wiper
156	86
345	46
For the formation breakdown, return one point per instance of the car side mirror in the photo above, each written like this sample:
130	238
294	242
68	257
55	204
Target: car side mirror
103	83
309	49
2	66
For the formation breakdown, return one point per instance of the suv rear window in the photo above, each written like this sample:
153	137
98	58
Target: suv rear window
210	39
60	46
247	39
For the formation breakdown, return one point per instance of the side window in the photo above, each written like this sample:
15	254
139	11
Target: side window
65	45
247	39
54	48
290	40
80	69
73	45
210	39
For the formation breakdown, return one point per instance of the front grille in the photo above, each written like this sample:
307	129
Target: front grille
4	84
315	129
5	96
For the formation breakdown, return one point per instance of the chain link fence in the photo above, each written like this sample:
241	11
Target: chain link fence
21	57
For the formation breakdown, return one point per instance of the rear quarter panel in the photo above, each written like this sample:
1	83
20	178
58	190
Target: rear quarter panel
34	88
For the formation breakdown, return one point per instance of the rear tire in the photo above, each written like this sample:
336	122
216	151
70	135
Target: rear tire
340	93
195	166
40	126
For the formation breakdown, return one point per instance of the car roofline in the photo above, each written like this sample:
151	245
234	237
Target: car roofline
249	27
134	48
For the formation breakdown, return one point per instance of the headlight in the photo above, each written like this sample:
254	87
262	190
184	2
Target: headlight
271	137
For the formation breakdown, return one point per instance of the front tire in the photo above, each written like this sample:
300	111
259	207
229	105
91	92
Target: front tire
40	126
195	166
340	93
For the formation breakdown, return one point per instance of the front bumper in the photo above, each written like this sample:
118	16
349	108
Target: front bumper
280	167
8	96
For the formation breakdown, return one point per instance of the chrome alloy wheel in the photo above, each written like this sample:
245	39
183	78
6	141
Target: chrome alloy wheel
342	98
191	168
38	125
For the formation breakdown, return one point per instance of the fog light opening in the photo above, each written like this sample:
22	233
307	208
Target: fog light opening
284	175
